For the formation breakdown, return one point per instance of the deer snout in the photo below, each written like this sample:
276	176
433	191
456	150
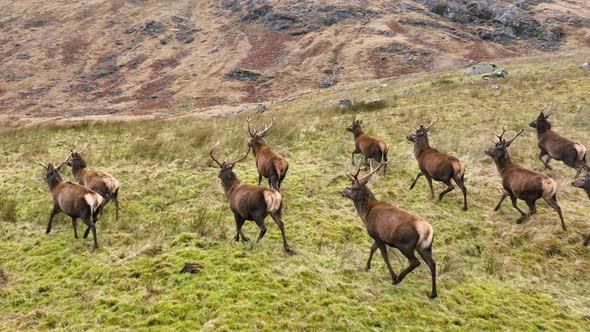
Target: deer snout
533	124
578	183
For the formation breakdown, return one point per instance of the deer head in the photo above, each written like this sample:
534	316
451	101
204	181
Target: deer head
358	187
255	135
75	158
542	121
421	132
226	167
355	126
499	150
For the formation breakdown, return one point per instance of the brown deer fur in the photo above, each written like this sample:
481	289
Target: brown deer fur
368	146
584	183
269	164
556	147
74	200
104	184
438	166
250	202
521	183
392	226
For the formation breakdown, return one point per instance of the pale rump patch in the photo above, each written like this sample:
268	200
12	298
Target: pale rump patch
458	169
273	200
111	183
549	187
581	151
425	233
94	200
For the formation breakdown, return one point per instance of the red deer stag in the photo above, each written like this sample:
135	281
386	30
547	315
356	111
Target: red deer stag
584	183
74	200
104	184
368	146
392	226
556	147
250	202
436	165
269	164
522	183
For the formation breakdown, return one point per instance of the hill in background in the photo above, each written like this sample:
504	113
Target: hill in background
136	57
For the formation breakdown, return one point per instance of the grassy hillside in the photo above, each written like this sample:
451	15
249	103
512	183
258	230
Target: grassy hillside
493	274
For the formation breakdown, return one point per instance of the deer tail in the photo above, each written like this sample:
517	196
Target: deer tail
581	150
94	201
384	149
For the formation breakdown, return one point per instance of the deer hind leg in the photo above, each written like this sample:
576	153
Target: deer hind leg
239	223
273	181
262	226
75	226
94	221
115	199
55	211
552	201
532	204
277	217
373	249
88	220
426	255
383	249
587	240
416	180
461	183
414	263
450	187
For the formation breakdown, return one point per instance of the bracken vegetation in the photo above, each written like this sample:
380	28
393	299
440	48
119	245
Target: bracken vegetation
493	273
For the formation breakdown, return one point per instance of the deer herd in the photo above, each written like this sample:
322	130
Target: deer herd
385	223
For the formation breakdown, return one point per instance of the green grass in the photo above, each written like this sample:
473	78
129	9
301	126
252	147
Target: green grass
493	274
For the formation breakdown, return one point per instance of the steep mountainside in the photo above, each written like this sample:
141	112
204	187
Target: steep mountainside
65	59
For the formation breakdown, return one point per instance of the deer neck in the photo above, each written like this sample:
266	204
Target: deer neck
53	184
357	133
543	129
421	145
363	203
77	169
503	163
230	182
257	146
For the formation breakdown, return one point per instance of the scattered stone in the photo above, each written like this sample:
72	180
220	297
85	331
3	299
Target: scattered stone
87	87
480	68
23	56
191	268
241	75
17	76
261	108
327	82
379	102
500	72
242	109
119	43
215	49
494	86
154	28
163	42
345	103
586	65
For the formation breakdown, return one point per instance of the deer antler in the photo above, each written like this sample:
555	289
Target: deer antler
548	112
211	154
432	123
248	129
40	163
374	171
242	158
502	134
73	147
84	148
512	140
266	127
353	177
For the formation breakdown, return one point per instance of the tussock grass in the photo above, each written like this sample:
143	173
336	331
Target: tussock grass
493	274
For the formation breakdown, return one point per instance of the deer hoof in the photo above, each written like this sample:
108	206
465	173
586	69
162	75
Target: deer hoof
433	296
396	281
367	268
245	239
465	208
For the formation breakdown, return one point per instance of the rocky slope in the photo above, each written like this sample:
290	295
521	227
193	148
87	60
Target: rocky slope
141	56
